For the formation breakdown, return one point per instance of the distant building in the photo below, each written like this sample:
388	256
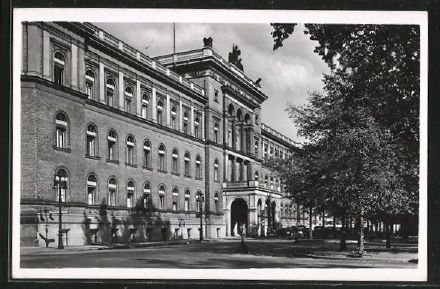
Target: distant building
131	142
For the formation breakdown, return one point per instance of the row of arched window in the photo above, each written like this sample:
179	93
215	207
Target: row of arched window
91	87
133	199
92	150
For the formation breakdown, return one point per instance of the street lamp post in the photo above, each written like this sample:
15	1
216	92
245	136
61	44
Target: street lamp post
60	185
201	200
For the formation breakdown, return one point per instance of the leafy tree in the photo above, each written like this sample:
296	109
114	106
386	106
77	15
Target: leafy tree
362	130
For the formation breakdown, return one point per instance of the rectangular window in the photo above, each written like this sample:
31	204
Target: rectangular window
61	137
109	96
159	116
90	146
144	111
63	194
130	156
130	196
216	179
162	166
198	171
161	199
175	170
58	74
187	171
111	151
174	206
112	197
186	204
196	131
128	104
90	195
147	158
173	122
89	89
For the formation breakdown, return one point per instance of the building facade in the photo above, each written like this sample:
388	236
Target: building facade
137	148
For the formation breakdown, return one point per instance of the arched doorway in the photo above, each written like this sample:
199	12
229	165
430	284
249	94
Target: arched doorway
239	216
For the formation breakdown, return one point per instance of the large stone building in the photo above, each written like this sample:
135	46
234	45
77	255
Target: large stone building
135	147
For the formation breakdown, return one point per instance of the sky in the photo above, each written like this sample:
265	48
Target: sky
288	74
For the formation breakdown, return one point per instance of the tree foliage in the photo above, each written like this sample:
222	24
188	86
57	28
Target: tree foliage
362	154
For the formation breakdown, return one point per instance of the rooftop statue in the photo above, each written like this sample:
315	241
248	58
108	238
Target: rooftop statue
234	57
207	42
257	82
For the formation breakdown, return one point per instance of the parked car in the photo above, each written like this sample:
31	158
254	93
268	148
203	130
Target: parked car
320	232
292	233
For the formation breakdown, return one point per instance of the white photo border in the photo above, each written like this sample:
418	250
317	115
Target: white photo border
221	16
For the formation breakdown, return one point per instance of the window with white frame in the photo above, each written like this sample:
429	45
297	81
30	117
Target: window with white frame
110	91
175	161
185	122
161	158
175	198
187	197
159	112
147	154
61	182
161	197
91	190
174	118
265	151
128	98
197	126
256	141
198	167
130	150
112	189
216	171
91	138
187	169
61	129
112	140
144	105
147	194
217	202
216	130
59	68
198	201
90	84
130	194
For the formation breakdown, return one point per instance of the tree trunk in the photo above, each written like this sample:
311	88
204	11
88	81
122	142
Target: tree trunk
310	224
361	234
343	242
334	222
387	235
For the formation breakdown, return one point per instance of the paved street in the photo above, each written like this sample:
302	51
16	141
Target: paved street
265	254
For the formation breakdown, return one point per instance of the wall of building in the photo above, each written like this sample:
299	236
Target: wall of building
85	223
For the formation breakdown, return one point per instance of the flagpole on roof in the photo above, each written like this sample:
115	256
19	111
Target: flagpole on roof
174	38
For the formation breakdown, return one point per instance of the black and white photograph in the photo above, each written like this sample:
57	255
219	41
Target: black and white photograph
196	144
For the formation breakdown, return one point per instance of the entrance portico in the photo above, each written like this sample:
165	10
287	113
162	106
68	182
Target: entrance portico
258	209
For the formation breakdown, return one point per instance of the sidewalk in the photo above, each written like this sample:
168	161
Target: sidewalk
80	248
